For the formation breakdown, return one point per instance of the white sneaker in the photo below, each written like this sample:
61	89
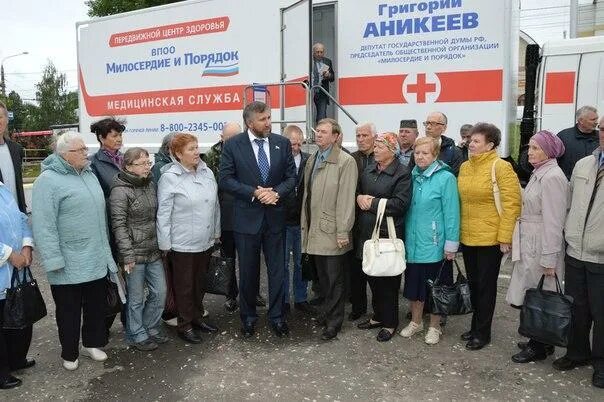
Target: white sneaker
433	336
70	365
95	354
172	322
412	329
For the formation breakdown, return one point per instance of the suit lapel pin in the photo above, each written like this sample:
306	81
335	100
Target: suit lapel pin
277	147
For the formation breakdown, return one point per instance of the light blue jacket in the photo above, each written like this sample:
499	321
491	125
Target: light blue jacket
188	212
432	223
14	235
70	224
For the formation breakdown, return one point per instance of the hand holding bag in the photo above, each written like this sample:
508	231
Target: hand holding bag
114	302
450	299
24	303
383	257
220	274
546	315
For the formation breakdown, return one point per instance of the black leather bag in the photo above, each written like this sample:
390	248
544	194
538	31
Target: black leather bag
309	269
450	299
24	304
114	303
219	277
546	315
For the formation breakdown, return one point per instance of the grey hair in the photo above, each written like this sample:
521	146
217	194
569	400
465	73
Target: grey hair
165	143
64	141
583	110
291	129
132	155
252	109
367	124
316	45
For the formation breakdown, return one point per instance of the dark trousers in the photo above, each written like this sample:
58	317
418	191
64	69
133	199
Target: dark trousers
189	276
321	102
384	299
14	345
248	249
330	269
584	281
85	304
482	266
227	240
357	286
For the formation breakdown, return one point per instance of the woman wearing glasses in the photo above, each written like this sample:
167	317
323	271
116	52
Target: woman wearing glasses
70	231
133	205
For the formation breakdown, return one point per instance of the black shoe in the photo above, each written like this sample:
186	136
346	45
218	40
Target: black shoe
231	305
305	307
354	316
248	331
260	302
466	336
528	355
204	327
564	363
384	335
316	301
27	364
190	336
369	325
329	333
476	344
280	329
549	349
597	380
10	382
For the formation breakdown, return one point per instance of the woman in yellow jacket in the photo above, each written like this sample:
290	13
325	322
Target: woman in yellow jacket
486	232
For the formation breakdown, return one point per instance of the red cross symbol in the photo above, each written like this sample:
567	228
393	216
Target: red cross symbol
421	88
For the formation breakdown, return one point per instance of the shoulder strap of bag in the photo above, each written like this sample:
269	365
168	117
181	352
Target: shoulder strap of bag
496	194
378	219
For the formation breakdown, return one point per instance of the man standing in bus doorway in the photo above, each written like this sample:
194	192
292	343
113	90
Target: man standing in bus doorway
11	155
322	74
579	140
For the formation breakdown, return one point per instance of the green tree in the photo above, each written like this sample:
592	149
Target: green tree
101	8
14	104
55	104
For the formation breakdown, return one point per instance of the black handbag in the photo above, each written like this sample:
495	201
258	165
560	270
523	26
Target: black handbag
114	302
450	299
546	315
219	277
24	304
309	269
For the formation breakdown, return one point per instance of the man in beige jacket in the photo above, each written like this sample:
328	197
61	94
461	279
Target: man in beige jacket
328	208
584	271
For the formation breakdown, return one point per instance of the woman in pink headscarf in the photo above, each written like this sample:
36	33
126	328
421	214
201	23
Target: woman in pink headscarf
538	243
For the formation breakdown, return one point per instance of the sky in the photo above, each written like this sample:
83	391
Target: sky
46	29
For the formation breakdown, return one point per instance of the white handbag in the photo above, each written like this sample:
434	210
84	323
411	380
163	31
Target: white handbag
383	257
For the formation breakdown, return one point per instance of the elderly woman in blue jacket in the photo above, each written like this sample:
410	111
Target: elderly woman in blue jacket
188	225
70	230
431	233
16	243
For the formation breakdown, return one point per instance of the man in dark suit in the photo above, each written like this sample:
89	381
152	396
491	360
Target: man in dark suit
322	74
11	155
258	169
293	234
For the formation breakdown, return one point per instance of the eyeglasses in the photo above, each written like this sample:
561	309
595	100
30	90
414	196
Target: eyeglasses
600	128
432	123
148	164
83	149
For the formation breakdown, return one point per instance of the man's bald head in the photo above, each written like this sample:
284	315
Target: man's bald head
229	130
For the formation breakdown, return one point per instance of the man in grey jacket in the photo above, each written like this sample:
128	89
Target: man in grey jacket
584	270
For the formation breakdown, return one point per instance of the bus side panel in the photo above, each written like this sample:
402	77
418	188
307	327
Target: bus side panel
590	88
557	92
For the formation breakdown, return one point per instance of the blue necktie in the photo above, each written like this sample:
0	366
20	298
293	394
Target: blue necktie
262	160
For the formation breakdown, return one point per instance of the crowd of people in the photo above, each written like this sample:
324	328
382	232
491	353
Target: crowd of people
114	217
